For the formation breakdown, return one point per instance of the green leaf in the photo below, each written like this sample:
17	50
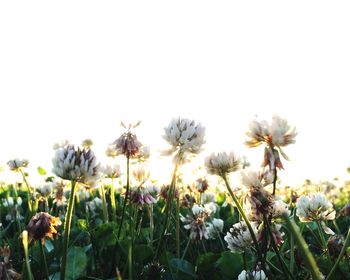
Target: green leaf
82	224
41	171
206	263
142	252
106	235
230	264
76	263
49	246
183	266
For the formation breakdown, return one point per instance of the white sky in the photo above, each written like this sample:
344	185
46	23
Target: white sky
75	69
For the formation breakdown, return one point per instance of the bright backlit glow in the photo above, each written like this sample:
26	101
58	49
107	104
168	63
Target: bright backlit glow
74	70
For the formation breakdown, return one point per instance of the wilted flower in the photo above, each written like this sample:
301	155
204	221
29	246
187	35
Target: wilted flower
222	163
259	201
17	164
75	164
185	136
127	144
6	270
275	135
335	244
43	225
276	233
345	211
187	201
239	238
202	185
164	191
58	186
252	275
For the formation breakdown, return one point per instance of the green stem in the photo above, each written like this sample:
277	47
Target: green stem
178	227
44	259
25	246
168	206
126	194
186	248
67	225
104	204
243	215
342	252
308	258
282	263
323	241
113	205
151	222
29	193
130	258
292	260
274	180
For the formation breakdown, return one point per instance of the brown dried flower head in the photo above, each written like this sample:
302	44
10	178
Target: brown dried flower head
127	144
335	244
43	225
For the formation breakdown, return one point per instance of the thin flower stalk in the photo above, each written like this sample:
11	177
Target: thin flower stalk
67	225
25	246
126	194
341	255
43	256
168	207
104	204
113	204
309	259
243	215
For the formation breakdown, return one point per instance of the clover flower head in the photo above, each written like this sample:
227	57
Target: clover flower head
222	163
76	164
239	238
184	136
111	170
17	164
252	275
314	207
127	144
43	225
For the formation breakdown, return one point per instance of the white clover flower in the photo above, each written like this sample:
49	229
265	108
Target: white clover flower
61	144
111	170
83	195
207	197
19	201
94	204
222	163
214	227
279	209
16	164
8	202
251	178
275	135
239	238
185	136
196	223
45	189
141	173
314	207
75	164
211	208
254	275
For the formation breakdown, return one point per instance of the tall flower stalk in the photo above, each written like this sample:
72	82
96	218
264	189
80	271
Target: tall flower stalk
222	164
79	166
186	138
275	135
